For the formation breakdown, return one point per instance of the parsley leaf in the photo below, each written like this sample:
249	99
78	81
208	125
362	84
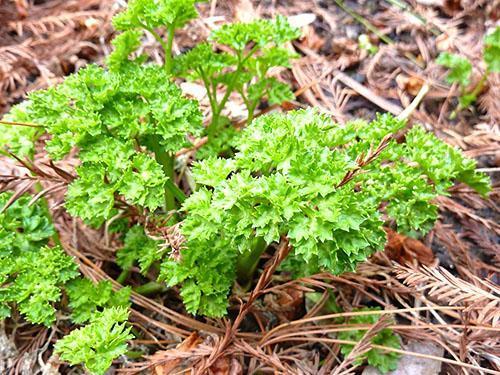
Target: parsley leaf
149	14
460	68
31	273
99	342
252	50
86	299
119	121
138	248
492	50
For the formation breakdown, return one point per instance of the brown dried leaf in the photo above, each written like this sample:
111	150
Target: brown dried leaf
286	303
22	8
167	367
226	366
404	249
310	39
410	84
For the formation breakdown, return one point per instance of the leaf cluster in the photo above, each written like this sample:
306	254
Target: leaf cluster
19	140
238	59
98	343
285	180
32	274
492	50
138	249
249	51
460	68
116	120
147	14
87	298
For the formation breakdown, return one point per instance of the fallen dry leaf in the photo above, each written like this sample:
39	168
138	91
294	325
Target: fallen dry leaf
287	303
310	39
169	366
405	249
302	20
411	85
226	366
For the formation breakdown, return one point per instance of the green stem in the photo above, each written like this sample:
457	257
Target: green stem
212	95
175	191
250	114
123	276
167	162
229	90
150	288
157	37
134	354
247	263
250	106
251	111
480	85
220	106
167	47
168	51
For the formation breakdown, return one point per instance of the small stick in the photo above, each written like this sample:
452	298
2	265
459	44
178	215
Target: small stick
15	123
414	104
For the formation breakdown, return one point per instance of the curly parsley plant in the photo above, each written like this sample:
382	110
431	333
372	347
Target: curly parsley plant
460	68
285	180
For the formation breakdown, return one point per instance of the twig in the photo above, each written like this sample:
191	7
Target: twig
363	346
414	104
15	123
399	351
368	94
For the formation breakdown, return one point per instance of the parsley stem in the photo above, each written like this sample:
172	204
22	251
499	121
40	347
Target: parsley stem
168	48
247	263
150	288
167	162
479	87
251	110
212	96
134	354
164	45
176	192
123	276
229	89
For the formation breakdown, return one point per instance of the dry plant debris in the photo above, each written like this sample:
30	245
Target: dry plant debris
440	289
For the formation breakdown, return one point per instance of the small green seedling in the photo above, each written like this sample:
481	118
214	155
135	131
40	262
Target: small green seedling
384	361
364	43
98	343
460	68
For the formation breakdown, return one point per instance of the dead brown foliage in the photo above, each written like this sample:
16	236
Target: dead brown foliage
442	289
